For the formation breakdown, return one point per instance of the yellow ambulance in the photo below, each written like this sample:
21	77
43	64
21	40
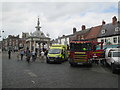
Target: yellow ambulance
57	53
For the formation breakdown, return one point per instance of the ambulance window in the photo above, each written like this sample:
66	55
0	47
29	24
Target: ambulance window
109	54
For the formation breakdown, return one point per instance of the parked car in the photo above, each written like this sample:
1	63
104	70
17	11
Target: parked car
112	57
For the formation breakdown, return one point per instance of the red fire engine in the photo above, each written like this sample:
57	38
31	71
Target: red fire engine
85	52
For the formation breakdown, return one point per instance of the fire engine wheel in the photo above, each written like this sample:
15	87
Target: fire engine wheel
90	65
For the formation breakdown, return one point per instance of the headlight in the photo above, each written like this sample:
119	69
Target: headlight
47	56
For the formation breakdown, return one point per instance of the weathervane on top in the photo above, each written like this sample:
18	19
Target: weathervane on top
38	23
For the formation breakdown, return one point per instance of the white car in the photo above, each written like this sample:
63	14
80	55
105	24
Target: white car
112	56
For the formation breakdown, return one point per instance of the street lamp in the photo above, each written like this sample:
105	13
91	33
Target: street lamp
1	44
2	31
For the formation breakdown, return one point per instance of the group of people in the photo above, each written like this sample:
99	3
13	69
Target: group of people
30	55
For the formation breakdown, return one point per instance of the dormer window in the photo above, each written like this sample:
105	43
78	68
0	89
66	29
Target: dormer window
103	31
41	33
117	29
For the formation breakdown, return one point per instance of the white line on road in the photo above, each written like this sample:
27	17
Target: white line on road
30	73
33	82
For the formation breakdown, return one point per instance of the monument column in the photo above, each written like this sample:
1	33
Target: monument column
34	45
30	44
48	44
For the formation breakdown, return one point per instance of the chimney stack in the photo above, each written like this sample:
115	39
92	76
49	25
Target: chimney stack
103	22
114	20
83	27
74	30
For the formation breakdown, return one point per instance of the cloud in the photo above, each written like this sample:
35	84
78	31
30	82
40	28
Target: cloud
55	18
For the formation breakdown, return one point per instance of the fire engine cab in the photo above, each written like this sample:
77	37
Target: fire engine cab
85	52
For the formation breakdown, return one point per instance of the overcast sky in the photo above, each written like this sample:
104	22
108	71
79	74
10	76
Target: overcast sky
56	18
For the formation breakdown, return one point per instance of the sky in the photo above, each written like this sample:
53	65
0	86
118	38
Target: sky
56	18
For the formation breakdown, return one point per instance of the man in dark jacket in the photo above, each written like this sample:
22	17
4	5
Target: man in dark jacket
9	54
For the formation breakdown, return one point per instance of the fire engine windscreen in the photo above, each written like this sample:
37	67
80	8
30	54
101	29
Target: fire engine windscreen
80	47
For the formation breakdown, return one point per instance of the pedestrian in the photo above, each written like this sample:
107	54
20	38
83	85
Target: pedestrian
9	54
42	56
22	54
46	52
28	56
33	56
18	55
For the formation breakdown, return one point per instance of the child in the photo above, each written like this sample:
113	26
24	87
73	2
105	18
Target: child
18	55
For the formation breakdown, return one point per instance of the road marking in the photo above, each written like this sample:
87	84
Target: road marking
33	82
30	73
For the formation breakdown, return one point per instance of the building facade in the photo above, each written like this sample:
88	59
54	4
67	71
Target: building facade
110	33
11	43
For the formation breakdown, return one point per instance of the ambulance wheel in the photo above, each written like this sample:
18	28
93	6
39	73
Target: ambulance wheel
47	61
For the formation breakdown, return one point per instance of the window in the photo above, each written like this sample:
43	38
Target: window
118	40
116	54
115	40
103	31
105	40
54	51
109	54
102	40
117	29
80	46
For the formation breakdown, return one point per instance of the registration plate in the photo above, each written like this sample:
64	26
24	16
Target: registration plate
80	63
51	60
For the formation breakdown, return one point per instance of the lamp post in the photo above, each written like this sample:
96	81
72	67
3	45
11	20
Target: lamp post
1	44
2	31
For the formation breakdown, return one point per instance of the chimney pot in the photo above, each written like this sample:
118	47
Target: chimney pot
83	27
103	22
114	20
74	30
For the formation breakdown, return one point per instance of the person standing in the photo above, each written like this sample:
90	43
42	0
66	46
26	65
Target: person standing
33	56
46	52
28	56
22	54
18	55
9	54
42	56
